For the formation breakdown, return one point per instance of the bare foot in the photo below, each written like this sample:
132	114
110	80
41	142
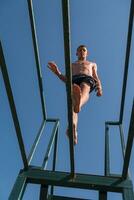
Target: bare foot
77	96
74	135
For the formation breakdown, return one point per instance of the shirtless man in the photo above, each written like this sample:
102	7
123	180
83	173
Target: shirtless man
84	80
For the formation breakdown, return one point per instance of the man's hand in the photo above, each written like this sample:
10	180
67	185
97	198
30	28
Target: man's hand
98	89
54	68
99	92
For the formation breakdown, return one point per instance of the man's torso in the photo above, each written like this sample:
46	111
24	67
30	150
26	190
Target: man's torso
83	67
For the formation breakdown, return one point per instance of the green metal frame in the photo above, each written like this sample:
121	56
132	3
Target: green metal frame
39	175
67	50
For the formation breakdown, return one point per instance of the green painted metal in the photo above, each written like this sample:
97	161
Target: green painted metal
83	181
64	198
102	195
55	157
129	145
36	142
19	188
43	192
36	175
37	57
122	140
67	45
52	120
128	194
112	123
51	142
107	153
12	107
128	48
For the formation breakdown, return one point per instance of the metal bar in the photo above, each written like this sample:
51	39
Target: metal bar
12	107
43	192
36	142
122	140
67	45
49	148
107	157
55	156
128	194
51	120
102	195
83	181
50	197
112	123
18	188
37	57
129	145
128	47
123	144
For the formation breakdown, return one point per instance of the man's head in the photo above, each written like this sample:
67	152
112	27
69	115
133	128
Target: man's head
82	52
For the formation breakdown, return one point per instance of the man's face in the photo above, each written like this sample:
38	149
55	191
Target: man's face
82	52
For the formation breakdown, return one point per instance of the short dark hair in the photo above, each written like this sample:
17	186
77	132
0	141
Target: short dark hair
82	45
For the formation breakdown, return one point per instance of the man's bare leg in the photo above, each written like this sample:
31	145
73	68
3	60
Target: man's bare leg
81	96
85	89
75	123
76	98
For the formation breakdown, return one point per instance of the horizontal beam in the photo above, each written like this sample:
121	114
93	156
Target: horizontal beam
83	181
112	123
63	198
52	120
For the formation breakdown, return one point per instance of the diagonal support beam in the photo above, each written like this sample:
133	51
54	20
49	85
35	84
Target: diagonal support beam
128	48
19	188
12	107
128	194
129	145
67	45
37	57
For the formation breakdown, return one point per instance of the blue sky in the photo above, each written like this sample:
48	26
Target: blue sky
102	26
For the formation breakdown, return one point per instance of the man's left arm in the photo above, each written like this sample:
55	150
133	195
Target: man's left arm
98	84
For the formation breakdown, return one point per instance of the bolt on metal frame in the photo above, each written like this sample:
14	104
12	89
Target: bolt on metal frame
45	178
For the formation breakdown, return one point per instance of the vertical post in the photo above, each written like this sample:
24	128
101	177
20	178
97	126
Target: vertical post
37	58
43	192
12	107
102	195
67	45
107	157
55	156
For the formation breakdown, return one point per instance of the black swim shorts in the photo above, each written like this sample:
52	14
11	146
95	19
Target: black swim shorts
78	79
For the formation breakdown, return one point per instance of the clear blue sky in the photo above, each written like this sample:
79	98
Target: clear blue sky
102	26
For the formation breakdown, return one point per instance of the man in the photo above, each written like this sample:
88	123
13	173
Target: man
84	79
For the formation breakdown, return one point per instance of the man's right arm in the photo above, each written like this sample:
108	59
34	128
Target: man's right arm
53	67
